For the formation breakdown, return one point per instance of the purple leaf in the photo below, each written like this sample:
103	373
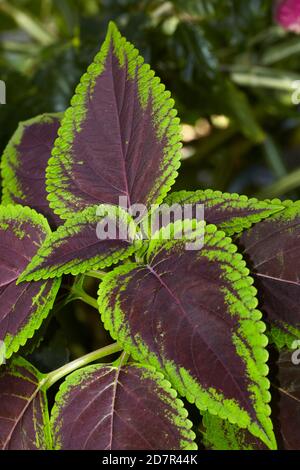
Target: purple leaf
229	212
271	248
24	421
24	165
76	247
120	137
288	406
221	435
192	315
23	307
119	408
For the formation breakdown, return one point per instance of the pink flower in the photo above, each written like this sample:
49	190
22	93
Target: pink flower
287	14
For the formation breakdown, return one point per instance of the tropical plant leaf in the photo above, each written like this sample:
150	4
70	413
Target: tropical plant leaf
22	307
113	407
229	212
24	163
285	389
192	315
271	248
288	404
220	434
120	137
24	420
75	247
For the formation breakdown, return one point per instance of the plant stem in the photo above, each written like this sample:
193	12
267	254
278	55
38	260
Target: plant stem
256	80
58	374
96	274
86	298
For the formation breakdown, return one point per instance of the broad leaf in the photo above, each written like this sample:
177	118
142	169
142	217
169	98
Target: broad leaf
229	212
75	247
24	420
24	164
271	249
192	315
285	389
219	434
120	137
23	307
103	407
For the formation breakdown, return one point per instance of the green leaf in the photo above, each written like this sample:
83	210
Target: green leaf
219	434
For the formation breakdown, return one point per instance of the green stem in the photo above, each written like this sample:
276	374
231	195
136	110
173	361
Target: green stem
58	374
86	298
256	80
96	274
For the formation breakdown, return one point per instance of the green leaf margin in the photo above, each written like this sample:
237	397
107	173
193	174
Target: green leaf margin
76	378
75	114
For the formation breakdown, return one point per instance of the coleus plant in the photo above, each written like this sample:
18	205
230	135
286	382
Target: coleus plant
189	325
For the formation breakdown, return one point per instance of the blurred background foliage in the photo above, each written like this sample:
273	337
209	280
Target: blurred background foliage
231	70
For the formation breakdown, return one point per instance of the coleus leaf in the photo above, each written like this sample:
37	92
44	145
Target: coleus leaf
23	307
24	163
288	404
192	315
24	420
75	247
229	212
271	249
220	434
120	137
113	407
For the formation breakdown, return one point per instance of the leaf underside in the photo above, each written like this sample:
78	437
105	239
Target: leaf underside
24	420
107	407
24	306
24	163
193	316
120	137
271	249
